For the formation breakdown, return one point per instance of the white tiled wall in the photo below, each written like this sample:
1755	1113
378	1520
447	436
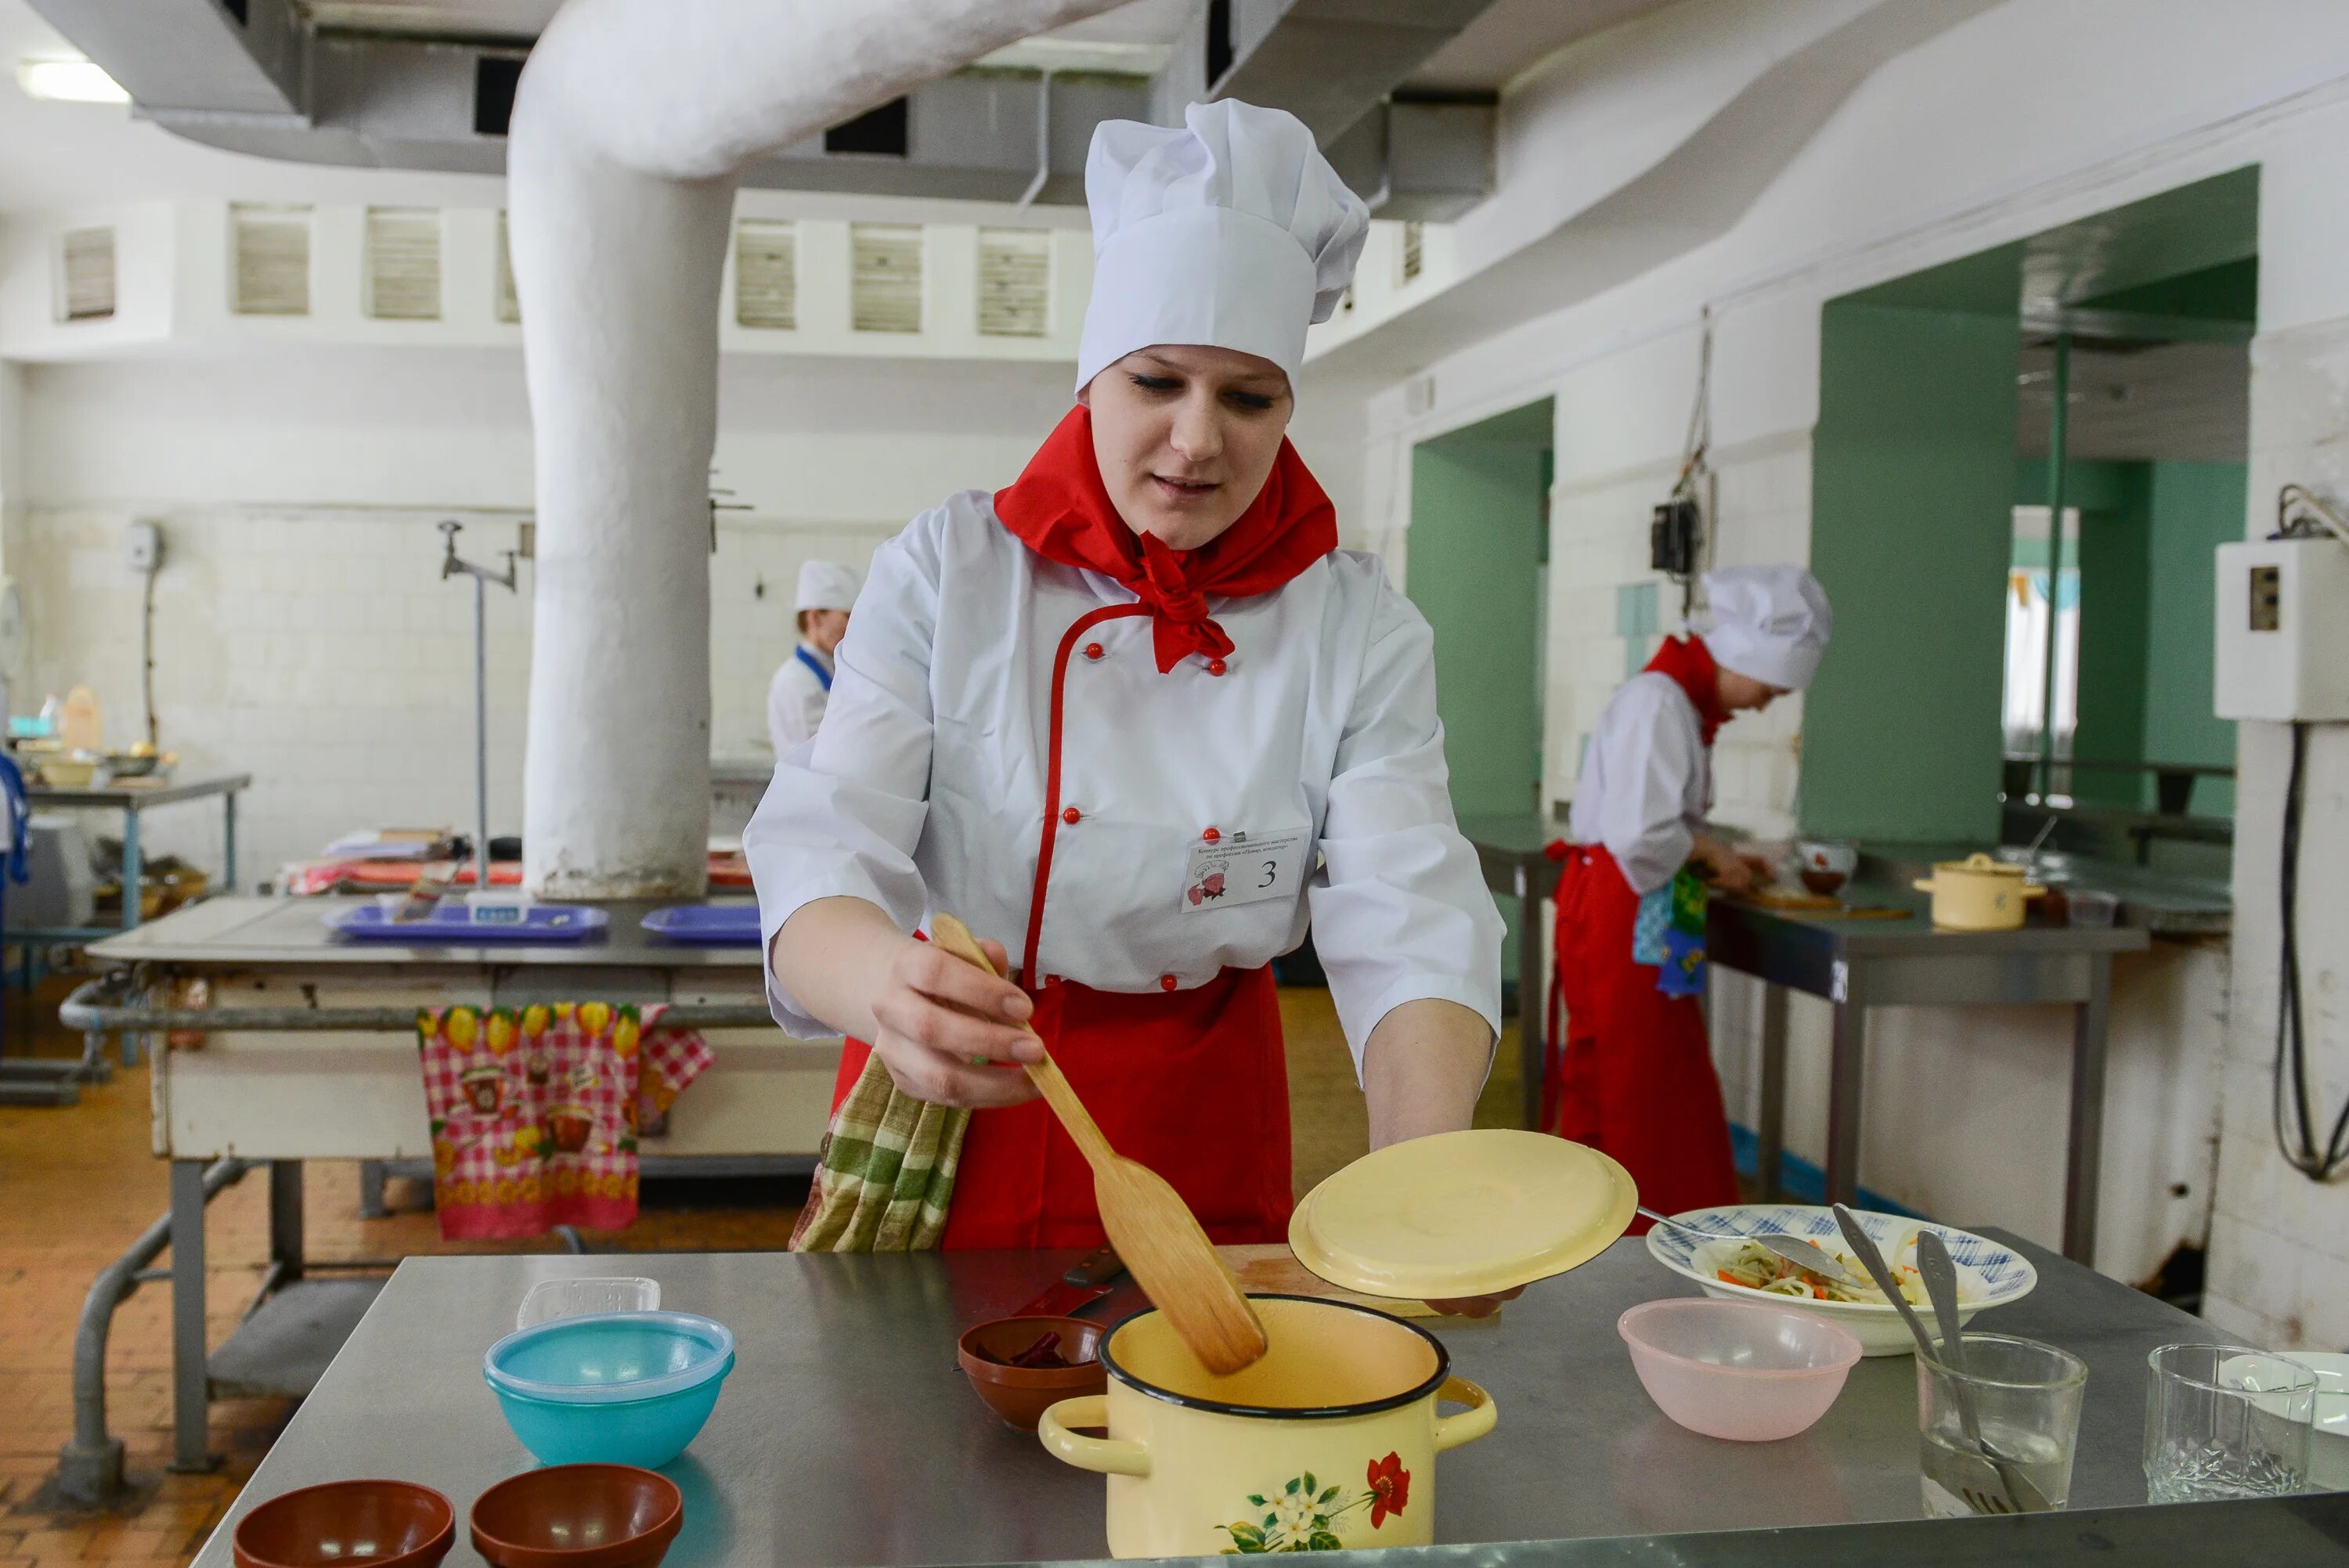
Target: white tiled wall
322	653
2279	1243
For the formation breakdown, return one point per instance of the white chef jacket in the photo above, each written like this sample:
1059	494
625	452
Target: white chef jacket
795	700
926	787
1647	780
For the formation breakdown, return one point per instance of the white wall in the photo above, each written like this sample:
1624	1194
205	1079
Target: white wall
303	634
1979	128
2280	1249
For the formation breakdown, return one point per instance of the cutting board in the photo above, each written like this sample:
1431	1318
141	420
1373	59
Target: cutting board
1272	1268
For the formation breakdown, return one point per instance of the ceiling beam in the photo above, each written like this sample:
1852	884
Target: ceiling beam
269	86
245	58
1331	62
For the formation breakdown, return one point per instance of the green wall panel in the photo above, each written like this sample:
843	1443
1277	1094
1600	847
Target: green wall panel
2195	509
1477	543
1911	532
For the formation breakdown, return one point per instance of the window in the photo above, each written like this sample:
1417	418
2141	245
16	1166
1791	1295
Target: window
403	264
270	267
1015	282
2026	633
509	303
86	274
766	275
885	288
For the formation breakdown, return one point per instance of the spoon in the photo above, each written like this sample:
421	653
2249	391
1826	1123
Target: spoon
1940	1276
1981	1499
1151	1228
1794	1249
1863	1247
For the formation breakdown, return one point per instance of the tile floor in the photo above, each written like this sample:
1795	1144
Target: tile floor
78	1185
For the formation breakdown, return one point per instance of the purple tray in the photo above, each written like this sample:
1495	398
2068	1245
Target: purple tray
706	924
453	925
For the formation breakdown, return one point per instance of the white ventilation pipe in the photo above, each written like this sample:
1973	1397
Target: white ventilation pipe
631	125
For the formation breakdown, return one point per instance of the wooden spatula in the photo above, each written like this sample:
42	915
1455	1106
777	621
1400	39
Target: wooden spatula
1149	1224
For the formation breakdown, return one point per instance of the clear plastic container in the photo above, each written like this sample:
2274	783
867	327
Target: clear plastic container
551	1298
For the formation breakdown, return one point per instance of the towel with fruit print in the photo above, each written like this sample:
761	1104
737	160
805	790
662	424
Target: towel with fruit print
536	1111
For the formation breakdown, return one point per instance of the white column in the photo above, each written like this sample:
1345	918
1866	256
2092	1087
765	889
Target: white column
631	125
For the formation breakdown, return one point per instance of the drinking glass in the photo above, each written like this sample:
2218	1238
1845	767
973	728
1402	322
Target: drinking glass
2225	1420
2025	1404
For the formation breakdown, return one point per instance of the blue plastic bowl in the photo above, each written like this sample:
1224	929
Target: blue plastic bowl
624	1387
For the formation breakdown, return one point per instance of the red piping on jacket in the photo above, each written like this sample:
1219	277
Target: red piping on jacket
1082	624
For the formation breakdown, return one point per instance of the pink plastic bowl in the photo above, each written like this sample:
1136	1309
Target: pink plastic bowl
1737	1369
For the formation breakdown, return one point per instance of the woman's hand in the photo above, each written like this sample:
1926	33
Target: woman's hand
940	1022
936	1022
1723	866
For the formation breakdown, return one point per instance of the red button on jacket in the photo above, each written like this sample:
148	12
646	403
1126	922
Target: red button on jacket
1092	650
1070	816
1166	982
1215	666
1211	835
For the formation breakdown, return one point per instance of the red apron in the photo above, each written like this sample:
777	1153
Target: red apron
1636	1078
1194	1084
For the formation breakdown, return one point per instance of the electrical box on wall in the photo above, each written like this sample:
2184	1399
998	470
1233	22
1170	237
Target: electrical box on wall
143	546
2284	630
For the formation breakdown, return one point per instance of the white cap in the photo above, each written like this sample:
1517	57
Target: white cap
826	585
1233	233
1770	623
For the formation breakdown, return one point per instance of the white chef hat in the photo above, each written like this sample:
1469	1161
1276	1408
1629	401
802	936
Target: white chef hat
1771	623
826	585
1233	233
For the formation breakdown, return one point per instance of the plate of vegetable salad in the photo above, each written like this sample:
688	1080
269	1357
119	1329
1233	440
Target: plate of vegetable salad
1988	1274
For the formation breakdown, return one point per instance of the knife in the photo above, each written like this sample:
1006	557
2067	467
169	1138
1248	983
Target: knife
1089	1279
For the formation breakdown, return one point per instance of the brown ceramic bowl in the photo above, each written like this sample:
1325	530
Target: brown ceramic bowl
578	1516
377	1523
1020	1394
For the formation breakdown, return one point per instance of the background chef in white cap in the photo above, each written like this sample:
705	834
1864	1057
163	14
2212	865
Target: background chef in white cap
802	682
1136	719
1635	1077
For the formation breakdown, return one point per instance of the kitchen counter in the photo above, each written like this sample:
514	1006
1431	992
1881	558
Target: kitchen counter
2167	903
281	933
847	1436
1906	961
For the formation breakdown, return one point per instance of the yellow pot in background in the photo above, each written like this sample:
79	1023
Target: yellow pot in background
1327	1442
1978	893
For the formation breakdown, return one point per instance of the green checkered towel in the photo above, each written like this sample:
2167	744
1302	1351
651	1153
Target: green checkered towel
885	1172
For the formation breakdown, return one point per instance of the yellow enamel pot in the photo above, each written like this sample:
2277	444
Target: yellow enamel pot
1978	893
1329	1442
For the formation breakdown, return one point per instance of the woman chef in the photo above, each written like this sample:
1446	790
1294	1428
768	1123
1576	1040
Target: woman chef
802	682
1136	719
1638	1079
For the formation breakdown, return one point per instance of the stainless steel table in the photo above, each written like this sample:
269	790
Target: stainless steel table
286	933
847	1436
274	972
39	1082
1511	850
1859	963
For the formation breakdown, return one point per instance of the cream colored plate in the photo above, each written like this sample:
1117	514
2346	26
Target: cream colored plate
1462	1213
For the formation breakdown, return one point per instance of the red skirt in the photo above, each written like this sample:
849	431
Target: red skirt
1635	1079
1193	1084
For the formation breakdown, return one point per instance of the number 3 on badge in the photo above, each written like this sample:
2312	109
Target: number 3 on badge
1243	868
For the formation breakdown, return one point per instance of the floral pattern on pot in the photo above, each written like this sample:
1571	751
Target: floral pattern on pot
1303	1515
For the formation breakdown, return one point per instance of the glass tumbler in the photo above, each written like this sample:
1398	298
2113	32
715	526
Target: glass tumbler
2225	1420
2022	1400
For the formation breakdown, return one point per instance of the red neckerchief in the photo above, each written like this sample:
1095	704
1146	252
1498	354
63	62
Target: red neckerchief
1690	665
1061	511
